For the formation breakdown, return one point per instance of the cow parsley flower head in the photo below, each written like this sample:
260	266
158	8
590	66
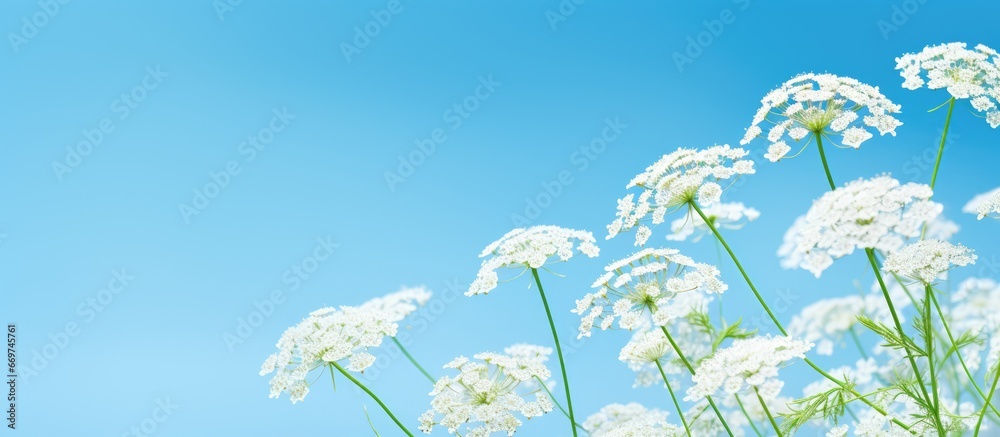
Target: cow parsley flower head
630	420
811	105
927	261
328	335
400	304
750	362
989	205
641	285
486	394
732	215
966	74
530	248
680	177
877	213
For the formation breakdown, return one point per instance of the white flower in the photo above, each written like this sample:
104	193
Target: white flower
327	336
928	260
642	285
972	206
976	308
685	175
966	74
826	321
837	431
529	248
820	104
630	420
941	229
485	395
732	215
876	213
400	304
989	205
747	362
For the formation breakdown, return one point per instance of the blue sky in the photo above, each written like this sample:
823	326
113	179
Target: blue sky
396	158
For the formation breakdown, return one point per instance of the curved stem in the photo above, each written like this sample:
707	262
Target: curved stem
982	414
822	156
556	402
562	364
747	415
366	390
961	360
929	344
410	357
768	412
687	364
944	137
857	342
781	328
899	329
673	397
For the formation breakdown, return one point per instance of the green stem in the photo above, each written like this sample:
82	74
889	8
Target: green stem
822	156
944	137
857	342
366	390
982	414
556	402
774	319
768	412
961	360
680	413
747	415
690	369
562	363
929	344
410	357
899	328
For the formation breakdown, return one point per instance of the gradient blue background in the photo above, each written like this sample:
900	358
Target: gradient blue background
325	176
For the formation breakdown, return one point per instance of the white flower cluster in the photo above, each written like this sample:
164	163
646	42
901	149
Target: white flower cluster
814	104
723	215
927	261
400	304
529	248
648	342
485	395
989	205
876	213
328	335
644	281
975	307
685	175
630	420
746	362
966	74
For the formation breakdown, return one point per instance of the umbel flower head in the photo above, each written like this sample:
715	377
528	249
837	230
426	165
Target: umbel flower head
827	321
966	74
752	362
328	335
679	177
985	204
638	286
811	105
400	304
529	248
732	215
630	420
486	394
928	260
877	213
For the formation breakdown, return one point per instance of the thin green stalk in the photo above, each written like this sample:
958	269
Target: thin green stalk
982	414
781	328
680	413
747	415
929	344
366	390
768	412
958	353
822	156
690	368
415	363
944	137
857	342
902	334
556	402
562	364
